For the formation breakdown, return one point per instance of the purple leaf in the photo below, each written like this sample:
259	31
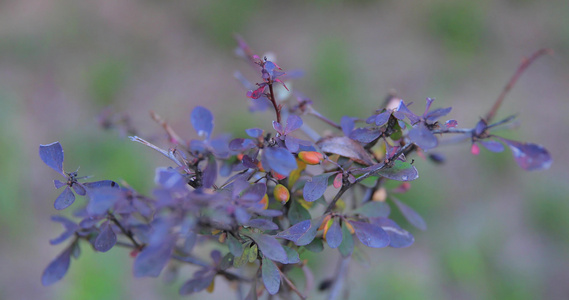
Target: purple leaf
79	189
254	132
65	199
152	259
106	238
399	238
291	143
480	127
279	160
271	276
301	233
492	145
241	144
57	268
370	235
412	216
293	122
423	137
100	184
202	120
210	173
59	184
254	192
347	124
278	127
365	135
196	285
436	114
102	199
344	146
400	171
347	246
402	108
315	188
52	156
334	235
382	118
270	247
262	224
530	157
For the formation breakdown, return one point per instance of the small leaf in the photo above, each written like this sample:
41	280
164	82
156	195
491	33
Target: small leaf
347	124
365	135
382	118
269	246
253	253
374	209
202	120
239	261
210	173
293	122
279	160
152	259
291	255
400	171
334	235
254	132
102	199
370	235
52	156
492	145
434	115
235	247
301	233
315	246
347	246
316	187
344	146
530	157
65	199
57	268
271	276
423	137
297	213
196	285
412	216
106	238
398	237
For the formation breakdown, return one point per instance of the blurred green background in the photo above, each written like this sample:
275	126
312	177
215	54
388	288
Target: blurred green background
495	232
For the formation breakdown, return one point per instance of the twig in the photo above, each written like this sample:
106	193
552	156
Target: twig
523	66
126	232
291	285
274	101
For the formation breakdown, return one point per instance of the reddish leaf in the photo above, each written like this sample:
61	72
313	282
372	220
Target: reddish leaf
315	188
370	235
412	216
334	235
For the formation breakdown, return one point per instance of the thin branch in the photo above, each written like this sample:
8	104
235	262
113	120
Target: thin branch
523	66
126	232
291	285
318	115
274	101
173	137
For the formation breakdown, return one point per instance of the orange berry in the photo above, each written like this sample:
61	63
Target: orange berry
310	157
281	193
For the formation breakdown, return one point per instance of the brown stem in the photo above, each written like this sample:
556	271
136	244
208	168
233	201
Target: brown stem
523	66
291	285
324	119
274	101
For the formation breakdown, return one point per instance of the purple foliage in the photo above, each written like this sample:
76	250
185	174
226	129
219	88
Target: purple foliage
229	191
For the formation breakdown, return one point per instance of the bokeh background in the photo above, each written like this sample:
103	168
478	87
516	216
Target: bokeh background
495	232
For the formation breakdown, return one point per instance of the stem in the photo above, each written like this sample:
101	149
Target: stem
274	101
291	285
126	232
315	113
523	66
